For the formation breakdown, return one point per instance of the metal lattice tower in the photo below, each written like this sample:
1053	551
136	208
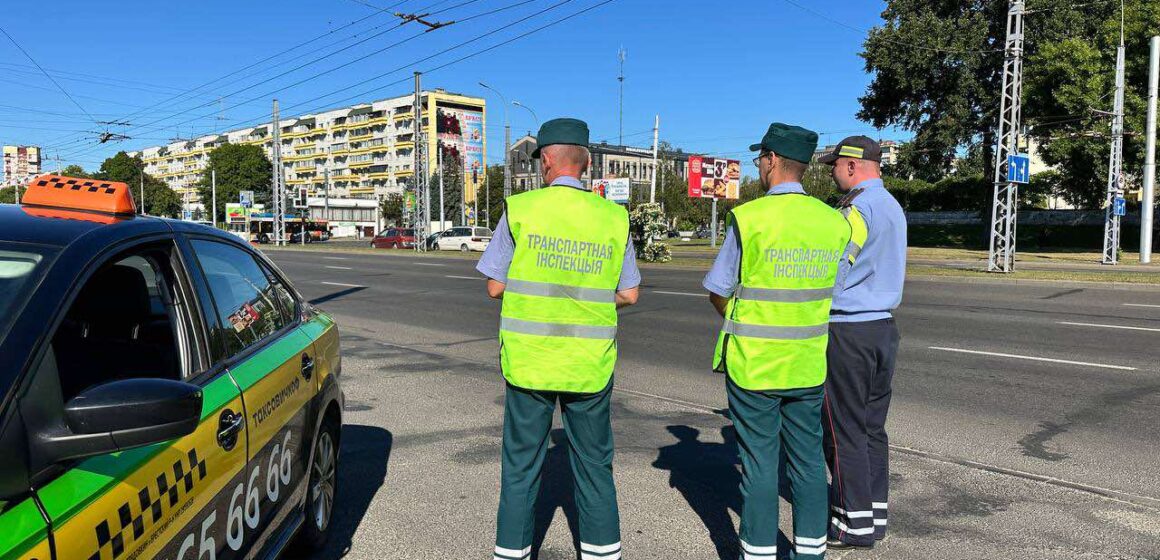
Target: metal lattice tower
421	175
1115	167
1006	199
279	195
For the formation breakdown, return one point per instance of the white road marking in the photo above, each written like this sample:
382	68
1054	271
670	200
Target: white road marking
679	293
466	277
339	267
1142	305
429	264
335	258
343	285
1033	358
1127	328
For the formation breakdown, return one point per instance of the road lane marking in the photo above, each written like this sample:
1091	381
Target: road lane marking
343	285
1142	305
1032	358
1108	326
678	293
465	277
335	258
429	264
339	267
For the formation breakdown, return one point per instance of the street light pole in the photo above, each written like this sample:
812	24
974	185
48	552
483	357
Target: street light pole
507	148
535	164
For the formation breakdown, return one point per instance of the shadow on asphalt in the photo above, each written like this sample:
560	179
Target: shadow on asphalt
555	492
365	451
337	295
707	476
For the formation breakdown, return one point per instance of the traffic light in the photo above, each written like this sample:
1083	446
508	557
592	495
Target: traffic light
300	197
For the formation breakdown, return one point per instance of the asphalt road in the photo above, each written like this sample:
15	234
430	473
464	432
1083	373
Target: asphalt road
1025	418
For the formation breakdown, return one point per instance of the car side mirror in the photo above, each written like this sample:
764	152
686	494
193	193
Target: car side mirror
121	415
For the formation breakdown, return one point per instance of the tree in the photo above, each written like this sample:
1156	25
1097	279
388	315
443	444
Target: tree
392	209
452	193
160	200
937	71
75	170
7	195
494	184
239	167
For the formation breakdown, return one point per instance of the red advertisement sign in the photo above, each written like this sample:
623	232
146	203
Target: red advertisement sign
695	176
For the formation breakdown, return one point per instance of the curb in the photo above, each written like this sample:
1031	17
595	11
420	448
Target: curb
1122	286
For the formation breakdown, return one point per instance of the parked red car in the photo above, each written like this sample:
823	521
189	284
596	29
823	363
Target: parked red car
394	238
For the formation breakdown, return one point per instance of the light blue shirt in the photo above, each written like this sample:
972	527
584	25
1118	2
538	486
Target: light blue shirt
725	274
872	287
498	257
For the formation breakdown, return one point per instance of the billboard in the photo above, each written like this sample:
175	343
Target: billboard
460	134
21	163
711	177
616	190
236	213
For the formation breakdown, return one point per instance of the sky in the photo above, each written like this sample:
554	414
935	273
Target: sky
716	73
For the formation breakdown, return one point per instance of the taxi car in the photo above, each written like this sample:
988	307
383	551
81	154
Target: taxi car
164	391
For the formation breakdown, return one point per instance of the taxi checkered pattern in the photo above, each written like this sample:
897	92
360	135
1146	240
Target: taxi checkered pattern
182	478
76	184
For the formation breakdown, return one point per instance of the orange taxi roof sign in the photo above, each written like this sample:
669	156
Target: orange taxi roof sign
57	191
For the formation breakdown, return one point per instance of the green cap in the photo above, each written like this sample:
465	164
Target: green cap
788	141
561	131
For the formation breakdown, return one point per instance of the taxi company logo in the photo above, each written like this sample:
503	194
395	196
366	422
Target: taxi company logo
115	543
276	401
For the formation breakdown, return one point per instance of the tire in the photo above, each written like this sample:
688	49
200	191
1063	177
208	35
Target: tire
320	497
395	245
438	247
264	239
464	248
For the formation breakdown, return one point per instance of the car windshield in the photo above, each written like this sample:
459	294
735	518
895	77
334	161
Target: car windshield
21	267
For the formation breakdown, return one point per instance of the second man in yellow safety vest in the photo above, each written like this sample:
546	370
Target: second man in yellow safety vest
772	282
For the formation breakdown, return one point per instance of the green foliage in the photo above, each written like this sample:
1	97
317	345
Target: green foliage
75	170
493	187
240	167
647	223
937	71
7	195
818	182
160	200
392	208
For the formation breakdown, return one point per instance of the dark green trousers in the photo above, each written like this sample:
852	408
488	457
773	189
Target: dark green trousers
767	421
527	422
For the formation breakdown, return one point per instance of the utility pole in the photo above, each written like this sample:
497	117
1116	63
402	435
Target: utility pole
1149	192
422	217
213	196
442	172
507	148
141	176
1114	198
652	192
326	192
279	223
1005	205
620	56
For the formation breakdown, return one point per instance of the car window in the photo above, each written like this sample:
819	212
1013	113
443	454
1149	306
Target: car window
407	232
246	301
389	233
482	232
126	322
287	301
21	267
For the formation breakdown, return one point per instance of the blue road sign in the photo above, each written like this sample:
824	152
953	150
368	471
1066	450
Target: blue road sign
246	198
1119	208
1018	168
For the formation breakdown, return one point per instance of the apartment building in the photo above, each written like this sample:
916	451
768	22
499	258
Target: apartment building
21	164
608	160
363	151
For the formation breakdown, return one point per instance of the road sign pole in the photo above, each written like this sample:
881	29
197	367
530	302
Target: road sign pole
1005	203
713	227
1147	200
1115	167
213	189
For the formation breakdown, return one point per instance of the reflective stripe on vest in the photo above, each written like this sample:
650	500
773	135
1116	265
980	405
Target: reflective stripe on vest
547	289
557	329
775	333
783	295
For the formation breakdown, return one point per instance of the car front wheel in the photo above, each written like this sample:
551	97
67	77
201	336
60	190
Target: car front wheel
464	248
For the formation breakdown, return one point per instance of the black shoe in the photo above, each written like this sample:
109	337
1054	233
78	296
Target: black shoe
835	544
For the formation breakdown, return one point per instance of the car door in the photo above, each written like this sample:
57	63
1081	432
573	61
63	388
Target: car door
134	317
271	360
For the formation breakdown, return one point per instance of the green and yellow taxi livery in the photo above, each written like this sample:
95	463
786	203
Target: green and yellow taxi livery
164	392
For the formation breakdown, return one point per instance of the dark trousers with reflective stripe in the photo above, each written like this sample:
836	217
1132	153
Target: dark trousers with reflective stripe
765	422
587	424
860	360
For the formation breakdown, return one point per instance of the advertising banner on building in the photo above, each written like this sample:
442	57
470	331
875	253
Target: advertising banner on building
616	190
460	135
714	178
236	213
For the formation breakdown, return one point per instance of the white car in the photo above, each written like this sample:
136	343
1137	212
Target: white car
464	239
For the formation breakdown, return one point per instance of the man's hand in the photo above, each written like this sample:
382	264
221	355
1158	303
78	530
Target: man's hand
495	289
719	303
625	298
